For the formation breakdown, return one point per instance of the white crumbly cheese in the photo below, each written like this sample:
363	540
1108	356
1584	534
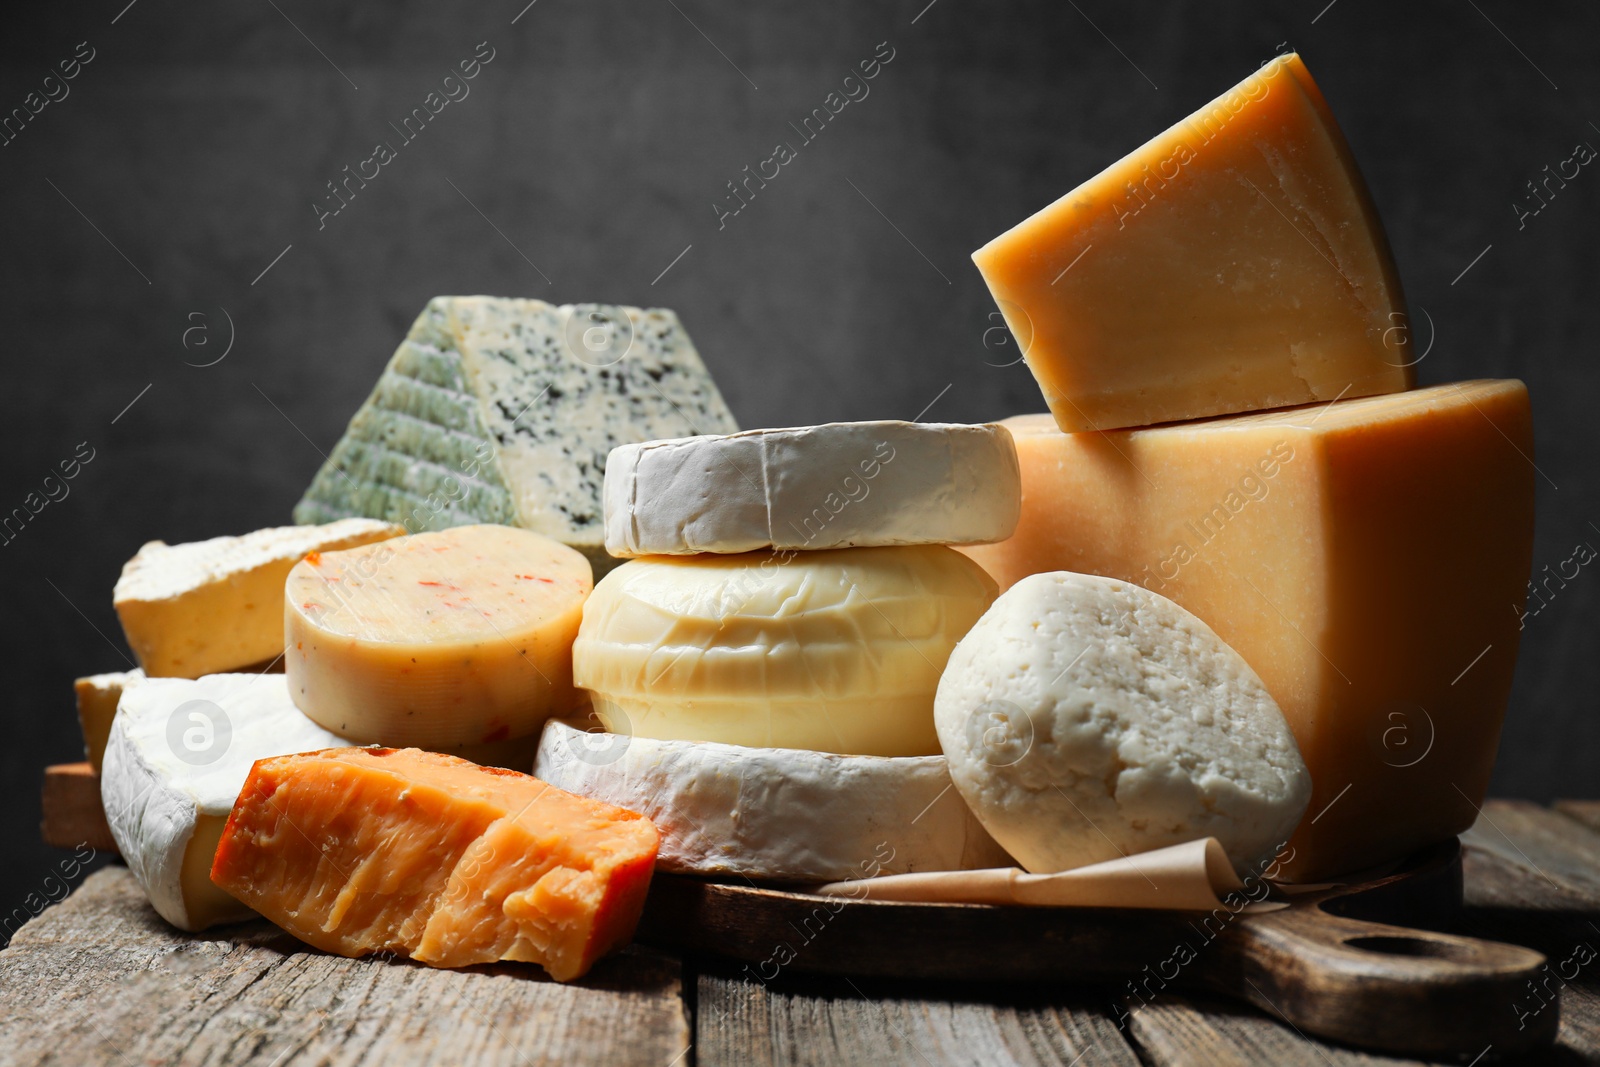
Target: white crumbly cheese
843	484
836	651
504	411
775	814
210	606
1086	718
178	754
98	695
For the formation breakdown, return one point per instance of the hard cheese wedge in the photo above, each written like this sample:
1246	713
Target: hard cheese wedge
450	640
778	814
837	651
1232	263
503	411
211	606
178	752
1368	559
811	487
98	695
370	850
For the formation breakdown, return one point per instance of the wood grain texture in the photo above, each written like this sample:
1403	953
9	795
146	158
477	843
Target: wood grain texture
1530	878
72	812
744	1022
1343	964
100	978
1585	811
1559	849
1183	1030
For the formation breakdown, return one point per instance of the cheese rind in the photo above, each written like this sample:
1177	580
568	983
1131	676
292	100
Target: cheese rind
97	697
813	487
1234	262
504	411
1086	718
1368	559
775	814
367	850
211	606
453	639
837	650
178	752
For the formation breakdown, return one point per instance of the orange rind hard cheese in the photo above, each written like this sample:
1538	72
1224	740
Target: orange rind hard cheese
1234	262
356	851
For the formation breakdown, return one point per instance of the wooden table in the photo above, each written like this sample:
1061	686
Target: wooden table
98	978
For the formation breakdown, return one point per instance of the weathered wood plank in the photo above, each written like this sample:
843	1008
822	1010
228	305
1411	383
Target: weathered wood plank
100	978
743	1022
1183	1030
1585	811
1531	878
1558	849
72	812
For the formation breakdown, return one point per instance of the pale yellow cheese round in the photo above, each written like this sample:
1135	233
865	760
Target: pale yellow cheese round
460	637
833	651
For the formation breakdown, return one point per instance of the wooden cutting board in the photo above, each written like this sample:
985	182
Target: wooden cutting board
1360	964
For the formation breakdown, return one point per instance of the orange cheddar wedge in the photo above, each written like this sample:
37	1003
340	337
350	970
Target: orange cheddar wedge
361	850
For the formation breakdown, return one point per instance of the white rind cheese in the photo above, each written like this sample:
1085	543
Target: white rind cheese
1087	718
210	606
98	696
178	754
836	651
504	411
780	815
834	486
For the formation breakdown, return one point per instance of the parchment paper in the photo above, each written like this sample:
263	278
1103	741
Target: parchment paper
1194	876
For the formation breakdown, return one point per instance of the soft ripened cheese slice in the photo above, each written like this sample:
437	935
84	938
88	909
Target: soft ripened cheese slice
835	486
1232	263
97	696
428	856
210	606
178	753
1087	718
500	410
775	814
837	650
458	637
1368	559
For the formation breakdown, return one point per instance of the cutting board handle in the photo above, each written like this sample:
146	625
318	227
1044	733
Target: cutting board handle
1380	985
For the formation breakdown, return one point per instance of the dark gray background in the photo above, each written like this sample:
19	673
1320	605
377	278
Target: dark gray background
191	148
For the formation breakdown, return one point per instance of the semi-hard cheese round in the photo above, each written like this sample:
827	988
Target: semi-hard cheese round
178	753
837	651
775	814
1087	718
442	640
844	484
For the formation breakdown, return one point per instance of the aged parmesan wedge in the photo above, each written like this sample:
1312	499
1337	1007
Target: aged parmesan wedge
778	814
1231	263
382	850
834	486
450	640
1369	559
211	606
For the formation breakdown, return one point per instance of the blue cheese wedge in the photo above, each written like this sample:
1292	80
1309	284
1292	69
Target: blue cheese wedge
504	411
